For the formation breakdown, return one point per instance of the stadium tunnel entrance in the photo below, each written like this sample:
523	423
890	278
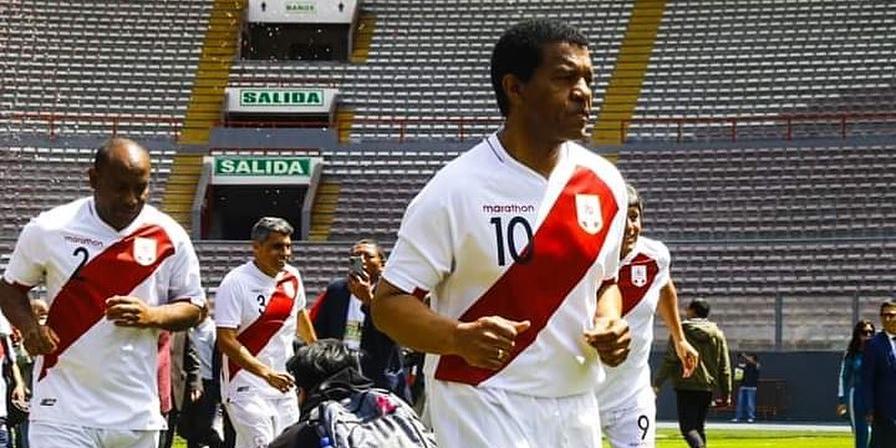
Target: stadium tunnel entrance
234	209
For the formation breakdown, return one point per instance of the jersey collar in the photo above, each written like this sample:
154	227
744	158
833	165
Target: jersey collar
501	154
129	229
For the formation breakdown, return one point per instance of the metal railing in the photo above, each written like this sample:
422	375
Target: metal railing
694	126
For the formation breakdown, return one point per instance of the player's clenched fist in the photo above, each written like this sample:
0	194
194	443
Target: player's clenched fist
611	338
40	341
487	341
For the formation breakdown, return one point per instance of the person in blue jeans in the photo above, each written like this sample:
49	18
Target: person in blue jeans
746	395
849	393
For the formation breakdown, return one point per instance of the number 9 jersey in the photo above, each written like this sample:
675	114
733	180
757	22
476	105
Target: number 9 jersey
490	236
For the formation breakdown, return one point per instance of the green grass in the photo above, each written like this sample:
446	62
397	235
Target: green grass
670	438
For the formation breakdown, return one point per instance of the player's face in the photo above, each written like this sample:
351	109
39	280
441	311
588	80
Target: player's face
632	229
888	319
271	255
373	263
557	99
120	190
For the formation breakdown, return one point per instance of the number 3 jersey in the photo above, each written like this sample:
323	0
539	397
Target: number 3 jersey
102	375
489	236
263	310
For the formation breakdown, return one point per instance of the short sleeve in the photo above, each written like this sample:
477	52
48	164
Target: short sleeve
185	282
423	254
26	265
615	234
301	299
228	312
665	263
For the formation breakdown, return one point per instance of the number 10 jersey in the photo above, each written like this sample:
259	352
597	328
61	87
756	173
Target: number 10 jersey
489	236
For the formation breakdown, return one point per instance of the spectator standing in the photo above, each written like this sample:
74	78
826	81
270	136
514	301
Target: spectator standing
343	312
694	394
879	380
746	394
850	395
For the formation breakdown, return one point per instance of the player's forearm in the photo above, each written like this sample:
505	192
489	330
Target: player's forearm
176	316
668	309
236	352
609	301
410	323
17	308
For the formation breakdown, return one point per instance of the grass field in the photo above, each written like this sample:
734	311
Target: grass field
751	438
740	438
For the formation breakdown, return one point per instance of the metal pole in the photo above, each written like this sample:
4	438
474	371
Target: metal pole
779	322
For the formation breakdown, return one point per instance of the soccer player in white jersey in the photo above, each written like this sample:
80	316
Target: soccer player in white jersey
518	241
116	271
627	401
259	310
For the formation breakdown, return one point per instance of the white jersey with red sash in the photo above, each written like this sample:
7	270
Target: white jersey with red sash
489	236
263	310
101	375
644	272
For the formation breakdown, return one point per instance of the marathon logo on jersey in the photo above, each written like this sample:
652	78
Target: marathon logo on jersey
588	213
639	275
48	402
145	251
83	241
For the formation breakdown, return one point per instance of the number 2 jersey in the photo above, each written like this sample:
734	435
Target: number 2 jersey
102	375
643	273
263	310
489	236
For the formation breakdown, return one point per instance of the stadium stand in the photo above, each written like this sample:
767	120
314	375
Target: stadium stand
36	178
95	66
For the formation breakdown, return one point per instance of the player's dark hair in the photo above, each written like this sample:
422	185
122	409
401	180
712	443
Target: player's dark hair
375	244
518	51
700	308
856	342
315	362
634	198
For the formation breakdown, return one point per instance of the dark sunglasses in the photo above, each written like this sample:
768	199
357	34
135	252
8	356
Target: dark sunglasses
867	332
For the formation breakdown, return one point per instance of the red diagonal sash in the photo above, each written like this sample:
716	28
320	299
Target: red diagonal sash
81	302
632	294
562	254
257	335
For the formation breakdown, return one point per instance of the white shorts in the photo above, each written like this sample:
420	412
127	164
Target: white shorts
631	425
59	435
258	419
467	416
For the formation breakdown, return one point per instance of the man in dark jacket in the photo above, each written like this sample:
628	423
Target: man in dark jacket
879	379
694	394
342	312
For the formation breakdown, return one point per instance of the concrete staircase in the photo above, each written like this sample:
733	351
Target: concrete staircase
624	87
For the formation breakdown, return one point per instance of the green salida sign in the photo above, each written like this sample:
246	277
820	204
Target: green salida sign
281	97
258	170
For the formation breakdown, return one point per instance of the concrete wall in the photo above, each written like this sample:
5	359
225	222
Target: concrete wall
810	379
